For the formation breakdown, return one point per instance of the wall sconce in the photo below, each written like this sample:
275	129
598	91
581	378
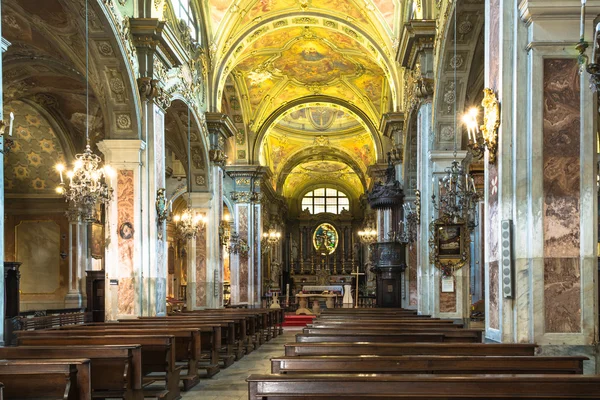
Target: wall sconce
412	219
162	209
593	68
368	235
487	138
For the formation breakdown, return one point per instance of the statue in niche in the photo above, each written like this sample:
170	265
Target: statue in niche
275	274
294	249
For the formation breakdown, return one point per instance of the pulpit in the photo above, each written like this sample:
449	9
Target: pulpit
389	259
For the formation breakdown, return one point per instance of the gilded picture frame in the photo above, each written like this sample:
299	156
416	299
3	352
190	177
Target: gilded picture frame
448	244
97	241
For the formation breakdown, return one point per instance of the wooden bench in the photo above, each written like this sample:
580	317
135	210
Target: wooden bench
403	349
187	343
434	387
390	338
450	335
116	371
429	364
46	379
158	357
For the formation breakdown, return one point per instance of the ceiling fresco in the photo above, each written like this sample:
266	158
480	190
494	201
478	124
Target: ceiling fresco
313	172
280	147
29	167
320	119
374	14
296	62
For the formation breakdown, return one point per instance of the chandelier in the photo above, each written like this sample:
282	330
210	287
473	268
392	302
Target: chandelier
593	67
458	196
189	221
87	179
367	235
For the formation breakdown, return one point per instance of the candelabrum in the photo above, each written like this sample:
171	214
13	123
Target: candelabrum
412	218
269	240
87	183
485	136
458	196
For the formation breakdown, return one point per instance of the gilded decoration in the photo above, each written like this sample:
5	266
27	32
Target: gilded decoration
449	240
491	122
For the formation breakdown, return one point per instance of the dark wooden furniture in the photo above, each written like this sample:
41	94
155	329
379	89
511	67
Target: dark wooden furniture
450	335
428	365
46	379
12	277
95	285
436	387
158	357
401	349
116	371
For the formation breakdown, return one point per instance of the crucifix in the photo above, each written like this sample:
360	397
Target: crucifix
357	274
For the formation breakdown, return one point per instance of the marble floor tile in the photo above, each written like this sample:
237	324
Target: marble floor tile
230	383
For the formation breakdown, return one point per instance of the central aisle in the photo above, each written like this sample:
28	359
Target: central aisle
230	383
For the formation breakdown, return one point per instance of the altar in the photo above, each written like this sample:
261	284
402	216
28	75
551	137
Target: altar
303	299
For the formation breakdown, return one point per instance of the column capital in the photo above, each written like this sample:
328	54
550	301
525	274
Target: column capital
418	36
531	10
201	200
151	90
392	124
442	159
125	151
220	128
155	35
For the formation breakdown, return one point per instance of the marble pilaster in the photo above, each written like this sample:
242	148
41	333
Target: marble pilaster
123	252
79	260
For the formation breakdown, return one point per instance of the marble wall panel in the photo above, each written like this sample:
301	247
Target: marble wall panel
562	291
38	248
494	306
447	300
201	267
494	44
126	275
257	254
561	150
413	296
243	274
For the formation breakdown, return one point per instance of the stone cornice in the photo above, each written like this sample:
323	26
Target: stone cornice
156	35
220	124
531	10
124	151
417	35
390	123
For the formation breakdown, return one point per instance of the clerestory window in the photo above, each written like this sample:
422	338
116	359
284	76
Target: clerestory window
325	199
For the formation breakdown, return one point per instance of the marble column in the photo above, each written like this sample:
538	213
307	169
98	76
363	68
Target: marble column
79	260
424	181
541	181
123	255
199	282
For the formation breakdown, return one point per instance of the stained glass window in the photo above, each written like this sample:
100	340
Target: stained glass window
325	239
325	199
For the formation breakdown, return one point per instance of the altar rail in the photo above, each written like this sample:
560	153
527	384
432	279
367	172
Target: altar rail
367	301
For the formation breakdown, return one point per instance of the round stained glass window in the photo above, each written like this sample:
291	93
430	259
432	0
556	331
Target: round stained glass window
325	239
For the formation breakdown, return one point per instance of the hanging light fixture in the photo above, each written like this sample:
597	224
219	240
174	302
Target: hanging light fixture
87	185
188	222
368	235
458	196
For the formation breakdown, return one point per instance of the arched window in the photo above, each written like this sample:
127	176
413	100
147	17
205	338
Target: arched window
184	12
325	199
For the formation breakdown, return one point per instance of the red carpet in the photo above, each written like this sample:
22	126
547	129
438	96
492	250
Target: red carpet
297	320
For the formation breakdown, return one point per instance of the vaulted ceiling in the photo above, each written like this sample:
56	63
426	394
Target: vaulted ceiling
313	79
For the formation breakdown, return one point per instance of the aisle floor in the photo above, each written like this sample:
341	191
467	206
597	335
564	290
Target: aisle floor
230	383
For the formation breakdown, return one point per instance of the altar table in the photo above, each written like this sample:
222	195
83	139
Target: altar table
316	310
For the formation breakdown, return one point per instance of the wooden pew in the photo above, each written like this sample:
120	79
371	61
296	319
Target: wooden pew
46	379
1	391
434	387
390	338
428	364
116	371
187	343
389	321
450	335
404	349
383	325
158	356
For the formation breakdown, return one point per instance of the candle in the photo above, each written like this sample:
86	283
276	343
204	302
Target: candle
582	23
473	183
432	186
